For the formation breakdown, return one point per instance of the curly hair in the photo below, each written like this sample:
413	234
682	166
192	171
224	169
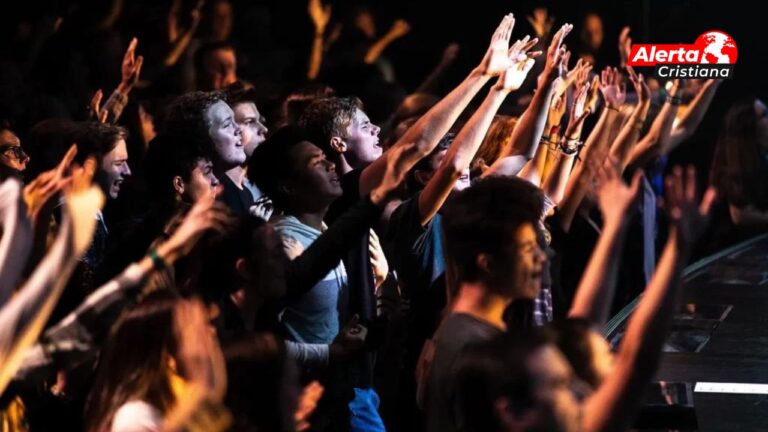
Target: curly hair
496	139
326	118
186	116
97	139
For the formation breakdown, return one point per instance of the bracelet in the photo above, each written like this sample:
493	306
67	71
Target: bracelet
157	261
570	146
674	100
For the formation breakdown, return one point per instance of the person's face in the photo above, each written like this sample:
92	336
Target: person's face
528	263
362	141
115	169
11	153
220	69
593	27
252	126
315	177
364	21
461	183
226	135
558	409
201	181
762	123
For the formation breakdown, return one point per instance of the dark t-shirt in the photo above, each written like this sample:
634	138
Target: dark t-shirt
238	200
456	333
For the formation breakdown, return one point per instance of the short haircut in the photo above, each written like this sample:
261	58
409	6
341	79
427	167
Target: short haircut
170	156
186	116
272	164
97	139
297	102
234	97
481	218
329	117
494	369
207	48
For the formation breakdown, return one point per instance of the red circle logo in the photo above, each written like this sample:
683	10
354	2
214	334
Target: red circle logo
717	48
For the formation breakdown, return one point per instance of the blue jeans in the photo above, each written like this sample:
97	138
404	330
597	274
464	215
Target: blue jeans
365	415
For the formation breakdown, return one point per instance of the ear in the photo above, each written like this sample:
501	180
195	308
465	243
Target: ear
178	185
338	145
484	262
242	267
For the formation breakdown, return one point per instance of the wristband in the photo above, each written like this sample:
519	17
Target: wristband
157	262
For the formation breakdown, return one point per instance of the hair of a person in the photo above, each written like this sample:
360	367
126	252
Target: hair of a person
326	118
132	364
263	386
739	169
169	156
47	143
208	48
497	369
572	338
235	96
498	136
295	103
96	139
427	163
482	218
272	164
186	116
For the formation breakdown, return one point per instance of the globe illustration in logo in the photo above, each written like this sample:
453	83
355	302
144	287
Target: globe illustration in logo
717	48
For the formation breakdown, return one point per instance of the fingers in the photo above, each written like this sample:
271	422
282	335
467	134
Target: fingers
690	183
66	161
96	102
637	180
130	52
705	208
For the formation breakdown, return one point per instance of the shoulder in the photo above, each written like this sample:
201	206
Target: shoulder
137	416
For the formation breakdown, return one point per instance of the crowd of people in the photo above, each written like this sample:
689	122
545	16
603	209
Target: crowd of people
210	249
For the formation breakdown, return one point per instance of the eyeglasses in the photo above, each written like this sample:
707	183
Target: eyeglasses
17	151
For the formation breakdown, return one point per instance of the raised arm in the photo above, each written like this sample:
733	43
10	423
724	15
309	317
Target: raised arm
430	82
421	138
130	70
595	148
616	401
527	133
320	16
467	142
594	295
23	317
693	117
622	145
399	29
651	144
180	42
16	241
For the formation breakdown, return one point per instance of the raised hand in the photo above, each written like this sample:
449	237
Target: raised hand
399	29
319	14
262	208
450	52
613	90
206	214
378	259
688	215
40	191
615	199
641	87
131	67
95	105
541	22
83	200
308	400
557	109
555	56
625	46
521	63
594	91
496	59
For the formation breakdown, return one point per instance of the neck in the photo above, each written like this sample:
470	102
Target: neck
342	166
237	175
312	218
248	304
476	300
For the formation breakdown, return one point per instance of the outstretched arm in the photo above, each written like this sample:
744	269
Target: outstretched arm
527	133
320	17
16	241
399	29
594	295
467	142
622	145
421	138
651	144
693	117
617	400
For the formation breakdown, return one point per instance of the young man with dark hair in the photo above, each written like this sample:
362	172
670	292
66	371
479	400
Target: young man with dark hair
254	132
492	248
206	118
302	183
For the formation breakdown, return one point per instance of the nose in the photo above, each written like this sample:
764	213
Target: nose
126	170
330	166
375	130
262	129
214	181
